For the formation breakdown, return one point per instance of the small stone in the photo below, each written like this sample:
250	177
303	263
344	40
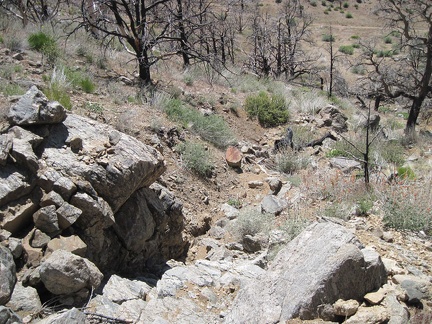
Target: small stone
345	308
76	144
374	298
16	247
39	239
255	184
18	56
275	185
388	237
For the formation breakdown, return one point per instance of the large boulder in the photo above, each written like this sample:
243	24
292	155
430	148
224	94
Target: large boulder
7	277
64	273
323	264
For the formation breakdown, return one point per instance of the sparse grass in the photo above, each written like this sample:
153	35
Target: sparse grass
196	158
359	69
211	128
388	40
270	111
347	49
57	88
87	85
307	101
94	107
288	161
328	38
406	206
11	89
384	53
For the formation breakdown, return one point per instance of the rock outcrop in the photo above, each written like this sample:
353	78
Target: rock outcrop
324	263
82	198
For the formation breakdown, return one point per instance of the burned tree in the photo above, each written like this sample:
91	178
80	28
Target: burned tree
407	72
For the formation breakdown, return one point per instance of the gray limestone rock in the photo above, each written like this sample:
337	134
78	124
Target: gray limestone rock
15	246
34	108
67	215
71	316
273	205
24	299
46	220
321	265
39	239
5	147
65	187
18	214
8	275
16	183
120	289
64	273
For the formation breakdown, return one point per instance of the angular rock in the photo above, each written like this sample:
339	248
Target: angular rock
46	220
134	222
272	205
230	211
24	143
24	299
345	165
16	183
233	157
333	117
8	275
72	244
67	215
275	185
133	165
369	315
321	265
64	273
94	211
120	289
46	177
5	147
65	187
416	288
254	243
16	247
51	198
7	316
345	308
71	316
374	298
399	314
18	214
34	108
39	239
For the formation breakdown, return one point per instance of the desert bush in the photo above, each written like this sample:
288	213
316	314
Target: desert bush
359	69
251	222
288	161
44	44
94	107
391	151
270	111
349	15
346	5
196	158
14	44
388	40
328	38
347	49
87	85
384	53
407	206
405	172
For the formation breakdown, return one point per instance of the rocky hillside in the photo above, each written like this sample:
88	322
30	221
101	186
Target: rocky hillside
173	205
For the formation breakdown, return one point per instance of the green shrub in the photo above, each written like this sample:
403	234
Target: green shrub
196	158
392	152
347	49
388	40
345	5
44	44
406	173
212	128
328	38
349	15
94	107
270	111
313	3
324	3
87	85
358	69
355	37
384	53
